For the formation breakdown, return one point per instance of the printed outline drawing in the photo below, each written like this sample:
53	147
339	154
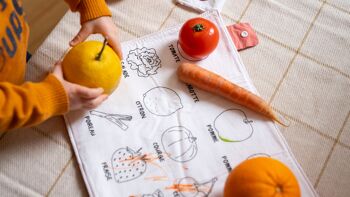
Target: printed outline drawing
185	56
189	137
116	119
157	193
153	102
245	120
144	60
258	155
130	160
203	189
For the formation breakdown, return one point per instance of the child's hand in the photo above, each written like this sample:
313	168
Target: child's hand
103	25
79	96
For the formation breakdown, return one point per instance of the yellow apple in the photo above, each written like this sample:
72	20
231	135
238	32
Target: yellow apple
93	64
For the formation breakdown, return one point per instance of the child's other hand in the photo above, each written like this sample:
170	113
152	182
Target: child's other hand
102	25
79	96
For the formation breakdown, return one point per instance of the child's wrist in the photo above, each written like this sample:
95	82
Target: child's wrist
91	9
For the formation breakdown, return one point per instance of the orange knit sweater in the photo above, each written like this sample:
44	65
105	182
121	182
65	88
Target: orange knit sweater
26	104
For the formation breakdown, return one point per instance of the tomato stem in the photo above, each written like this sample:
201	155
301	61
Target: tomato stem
198	27
98	56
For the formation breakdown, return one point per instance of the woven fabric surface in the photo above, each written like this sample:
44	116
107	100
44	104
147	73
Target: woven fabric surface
301	67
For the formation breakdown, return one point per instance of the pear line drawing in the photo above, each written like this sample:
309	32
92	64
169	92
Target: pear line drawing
156	193
190	187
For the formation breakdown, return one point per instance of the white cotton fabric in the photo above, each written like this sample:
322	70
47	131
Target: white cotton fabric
203	5
154	131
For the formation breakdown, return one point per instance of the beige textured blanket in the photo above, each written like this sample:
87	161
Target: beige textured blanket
301	66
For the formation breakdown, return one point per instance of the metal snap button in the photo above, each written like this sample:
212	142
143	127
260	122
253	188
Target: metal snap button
244	34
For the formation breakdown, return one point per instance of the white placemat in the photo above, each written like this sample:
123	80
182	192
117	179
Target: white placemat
155	132
203	5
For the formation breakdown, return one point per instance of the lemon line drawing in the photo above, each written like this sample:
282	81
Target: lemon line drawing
232	125
162	101
179	144
144	60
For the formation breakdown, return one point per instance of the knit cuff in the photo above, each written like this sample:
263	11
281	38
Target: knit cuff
91	9
52	96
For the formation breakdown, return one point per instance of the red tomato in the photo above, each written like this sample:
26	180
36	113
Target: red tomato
198	37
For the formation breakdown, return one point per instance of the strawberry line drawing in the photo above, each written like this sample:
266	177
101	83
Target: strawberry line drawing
128	164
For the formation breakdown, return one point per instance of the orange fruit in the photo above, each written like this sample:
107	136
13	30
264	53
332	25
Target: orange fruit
261	177
81	66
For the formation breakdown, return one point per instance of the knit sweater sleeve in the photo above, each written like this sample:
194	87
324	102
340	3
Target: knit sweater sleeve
89	9
31	103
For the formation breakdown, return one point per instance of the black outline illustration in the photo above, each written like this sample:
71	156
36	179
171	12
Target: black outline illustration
127	163
150	102
144	60
201	188
156	193
258	155
187	57
187	134
116	119
244	120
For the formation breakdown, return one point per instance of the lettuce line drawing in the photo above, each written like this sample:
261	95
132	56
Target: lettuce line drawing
179	144
162	101
144	60
232	125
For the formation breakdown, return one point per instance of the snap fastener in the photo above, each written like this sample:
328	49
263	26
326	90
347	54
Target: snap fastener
244	34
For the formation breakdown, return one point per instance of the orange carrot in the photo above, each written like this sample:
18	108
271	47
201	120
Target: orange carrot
213	83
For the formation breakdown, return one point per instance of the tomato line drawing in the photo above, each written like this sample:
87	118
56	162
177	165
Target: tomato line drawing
162	101
185	56
179	144
230	129
190	187
144	60
116	119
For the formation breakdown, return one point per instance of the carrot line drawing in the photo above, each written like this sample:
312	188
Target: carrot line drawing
116	119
